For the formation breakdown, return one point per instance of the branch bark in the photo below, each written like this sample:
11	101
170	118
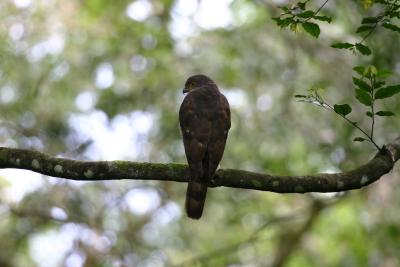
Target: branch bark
39	162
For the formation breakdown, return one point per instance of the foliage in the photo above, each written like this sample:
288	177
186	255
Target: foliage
366	92
298	15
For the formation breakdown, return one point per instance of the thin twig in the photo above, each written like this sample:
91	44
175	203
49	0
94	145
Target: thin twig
321	7
318	10
372	81
324	104
380	18
370	32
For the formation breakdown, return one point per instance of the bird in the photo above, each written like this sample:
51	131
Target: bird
205	120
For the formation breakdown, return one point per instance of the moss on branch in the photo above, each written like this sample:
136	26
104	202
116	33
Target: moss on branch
39	162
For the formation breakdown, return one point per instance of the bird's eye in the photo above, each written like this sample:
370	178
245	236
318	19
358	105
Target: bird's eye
192	83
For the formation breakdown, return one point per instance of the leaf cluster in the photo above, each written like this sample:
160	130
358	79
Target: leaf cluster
369	83
298	16
369	86
369	25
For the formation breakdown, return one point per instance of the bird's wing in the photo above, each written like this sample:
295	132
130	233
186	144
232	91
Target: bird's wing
219	134
193	129
226	117
195	142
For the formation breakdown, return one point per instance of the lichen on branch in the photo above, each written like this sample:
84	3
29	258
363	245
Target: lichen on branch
39	162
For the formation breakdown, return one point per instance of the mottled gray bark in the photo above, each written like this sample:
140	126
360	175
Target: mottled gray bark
35	161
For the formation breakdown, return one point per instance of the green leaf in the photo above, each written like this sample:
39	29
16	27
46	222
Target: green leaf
283	22
342	45
359	69
364	28
302	5
306	14
388	91
359	139
384	73
369	114
385	113
342	109
295	27
378	84
311	28
372	70
368	20
323	18
391	27
363	49
368	3
284	8
363	97
361	84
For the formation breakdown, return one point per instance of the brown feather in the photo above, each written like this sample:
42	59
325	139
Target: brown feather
204	117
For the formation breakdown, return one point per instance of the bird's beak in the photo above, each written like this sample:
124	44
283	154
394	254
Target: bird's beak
185	90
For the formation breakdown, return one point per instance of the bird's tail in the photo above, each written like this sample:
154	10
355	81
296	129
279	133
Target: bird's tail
195	198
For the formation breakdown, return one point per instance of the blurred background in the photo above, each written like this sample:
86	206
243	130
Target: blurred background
101	80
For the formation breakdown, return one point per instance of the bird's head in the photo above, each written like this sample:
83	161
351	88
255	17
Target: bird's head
195	82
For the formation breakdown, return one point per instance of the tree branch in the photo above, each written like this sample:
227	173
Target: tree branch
290	240
205	258
39	162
